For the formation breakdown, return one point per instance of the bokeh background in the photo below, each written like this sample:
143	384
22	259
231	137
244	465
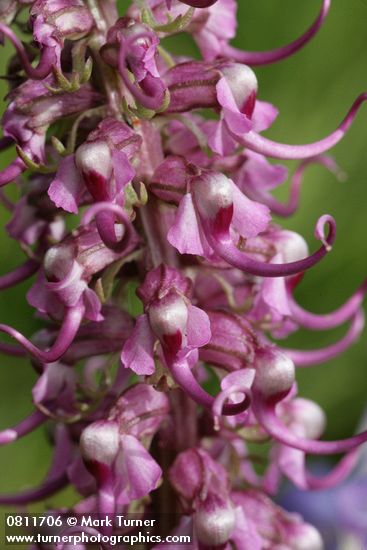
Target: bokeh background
313	91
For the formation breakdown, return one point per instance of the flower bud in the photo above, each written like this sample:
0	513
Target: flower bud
214	521
309	415
140	410
160	281
195	476
291	245
306	538
214	199
168	319
169	182
58	262
99	442
94	160
191	85
243	84
67	18
275	374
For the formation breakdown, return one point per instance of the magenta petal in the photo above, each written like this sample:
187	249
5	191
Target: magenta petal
198	327
274	293
67	187
92	305
245	536
249	217
220	140
238	122
137	353
123	170
137	473
293	464
264	115
184	234
242	378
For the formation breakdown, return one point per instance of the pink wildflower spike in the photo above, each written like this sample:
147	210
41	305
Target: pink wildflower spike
215	206
98	108
272	56
169	318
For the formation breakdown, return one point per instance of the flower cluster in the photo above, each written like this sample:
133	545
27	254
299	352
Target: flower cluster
159	164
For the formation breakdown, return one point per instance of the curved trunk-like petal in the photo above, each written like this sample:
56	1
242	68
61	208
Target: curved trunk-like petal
184	377
12	171
285	210
43	491
69	328
23	428
19	274
273	149
47	61
227	250
315	357
272	56
105	213
275	428
314	321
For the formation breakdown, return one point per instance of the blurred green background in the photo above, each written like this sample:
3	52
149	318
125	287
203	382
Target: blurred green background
313	91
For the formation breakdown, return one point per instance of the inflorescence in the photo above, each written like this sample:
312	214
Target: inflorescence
112	133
